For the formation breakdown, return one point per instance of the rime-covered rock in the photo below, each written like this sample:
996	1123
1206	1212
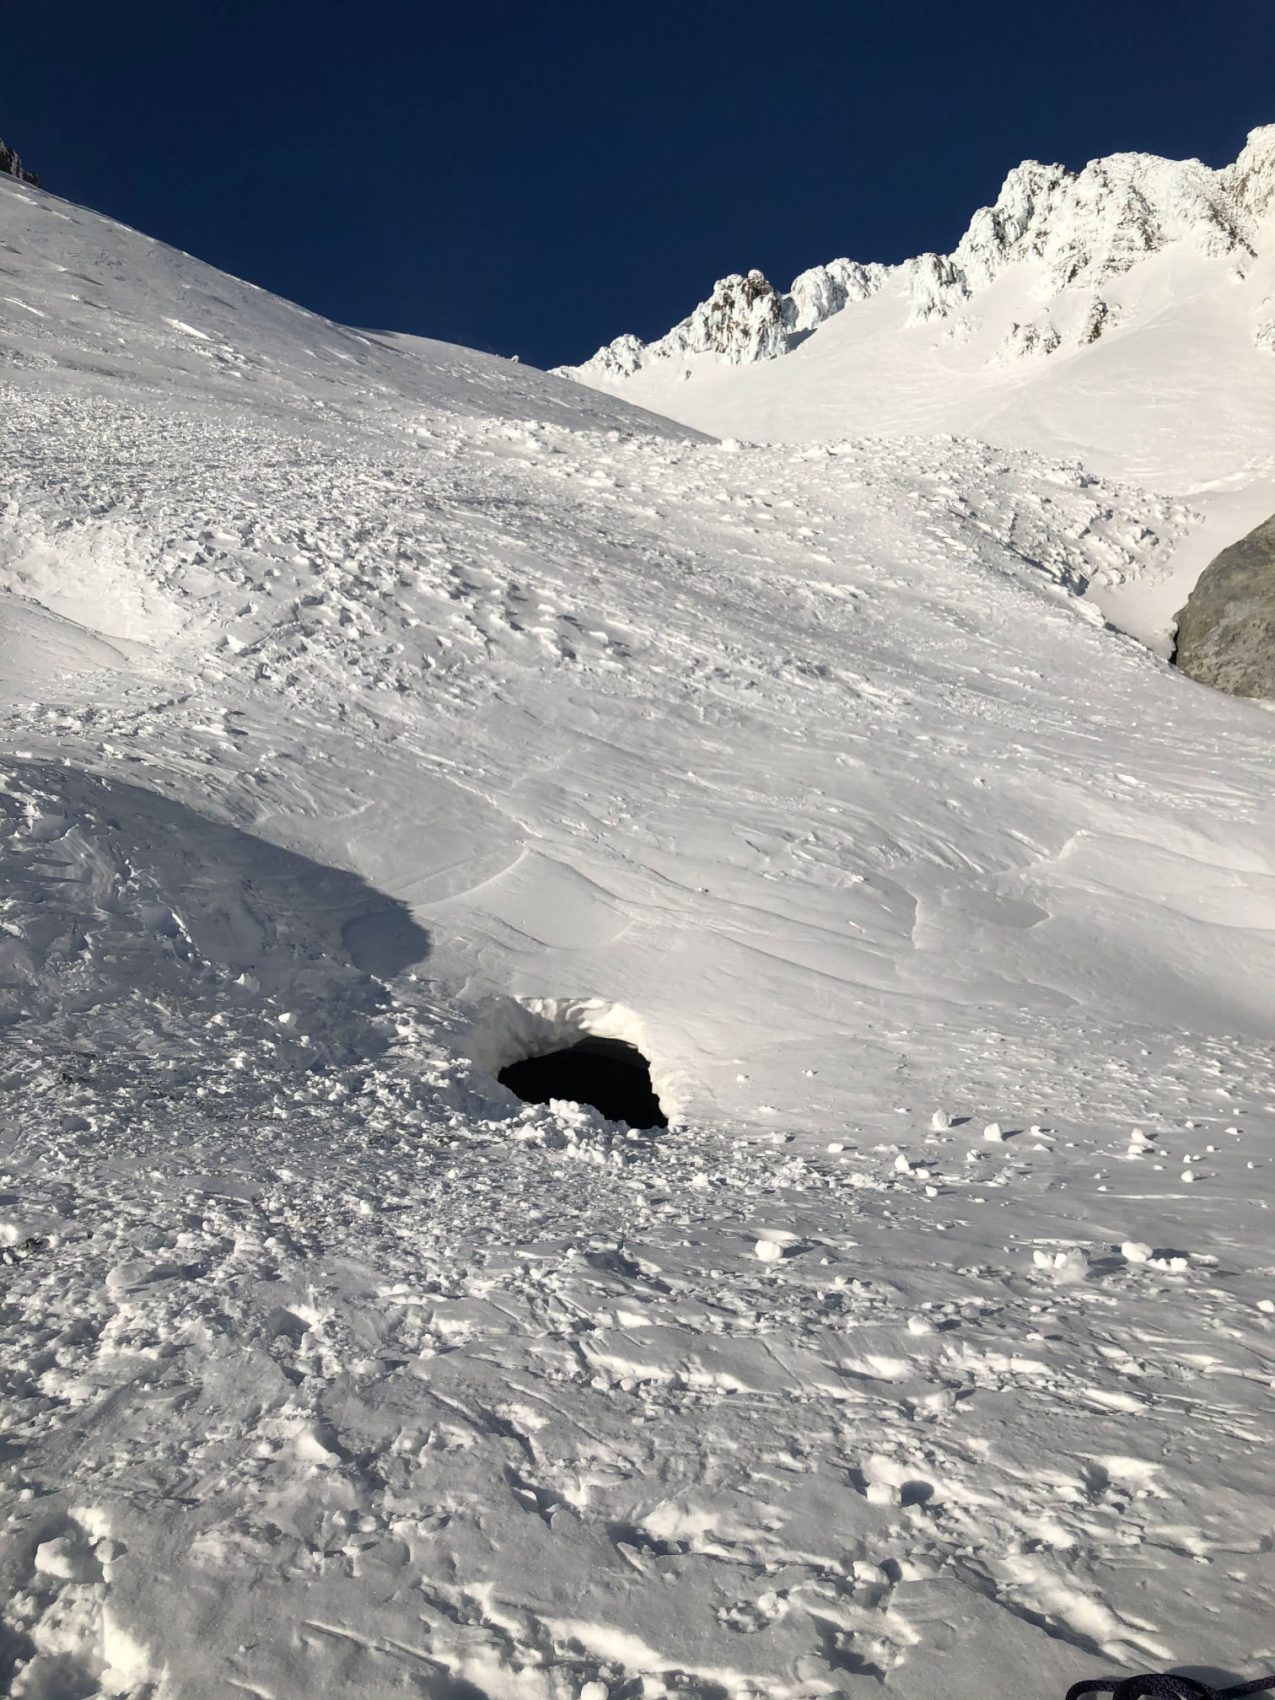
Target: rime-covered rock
1037	336
744	319
824	290
1088	226
1250	182
1226	632
934	284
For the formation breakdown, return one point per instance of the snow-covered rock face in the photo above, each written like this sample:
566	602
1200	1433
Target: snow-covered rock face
744	319
824	290
1075	230
934	284
1083	228
1250	182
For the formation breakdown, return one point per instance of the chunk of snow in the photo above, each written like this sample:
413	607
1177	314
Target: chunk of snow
883	1493
1065	1266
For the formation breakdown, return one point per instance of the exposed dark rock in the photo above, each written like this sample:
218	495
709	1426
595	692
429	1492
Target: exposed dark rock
1096	321
12	166
1226	632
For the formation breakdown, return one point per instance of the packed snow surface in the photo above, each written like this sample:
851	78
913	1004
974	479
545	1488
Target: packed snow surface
376	713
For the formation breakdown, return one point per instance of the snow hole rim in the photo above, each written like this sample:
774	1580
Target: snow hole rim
513	1030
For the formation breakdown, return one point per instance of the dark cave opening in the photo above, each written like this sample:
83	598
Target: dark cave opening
607	1074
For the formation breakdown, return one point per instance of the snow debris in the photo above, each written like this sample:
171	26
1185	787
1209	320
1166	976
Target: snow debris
1066	1267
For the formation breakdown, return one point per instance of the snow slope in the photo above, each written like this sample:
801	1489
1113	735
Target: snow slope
373	711
1124	314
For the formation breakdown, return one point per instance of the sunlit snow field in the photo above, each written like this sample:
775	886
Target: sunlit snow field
363	695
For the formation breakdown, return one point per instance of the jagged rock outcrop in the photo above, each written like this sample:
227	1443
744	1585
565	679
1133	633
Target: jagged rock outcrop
12	166
1226	632
1075	231
745	319
1086	227
742	320
1251	180
935	285
1037	336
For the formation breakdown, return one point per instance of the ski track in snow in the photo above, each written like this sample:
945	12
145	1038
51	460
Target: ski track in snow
335	716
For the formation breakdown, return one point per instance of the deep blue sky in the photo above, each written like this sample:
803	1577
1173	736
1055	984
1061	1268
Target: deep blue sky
536	178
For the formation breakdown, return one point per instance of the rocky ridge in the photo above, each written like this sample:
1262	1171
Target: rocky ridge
1077	230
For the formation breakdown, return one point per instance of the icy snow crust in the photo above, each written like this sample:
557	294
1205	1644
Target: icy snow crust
371	706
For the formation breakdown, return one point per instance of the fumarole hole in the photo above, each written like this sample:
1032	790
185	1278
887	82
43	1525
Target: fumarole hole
611	1076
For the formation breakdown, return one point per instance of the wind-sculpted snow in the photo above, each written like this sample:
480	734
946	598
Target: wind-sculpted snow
90	302
351	708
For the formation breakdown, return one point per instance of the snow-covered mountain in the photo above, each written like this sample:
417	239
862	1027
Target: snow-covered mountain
1065	235
374	713
1124	314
